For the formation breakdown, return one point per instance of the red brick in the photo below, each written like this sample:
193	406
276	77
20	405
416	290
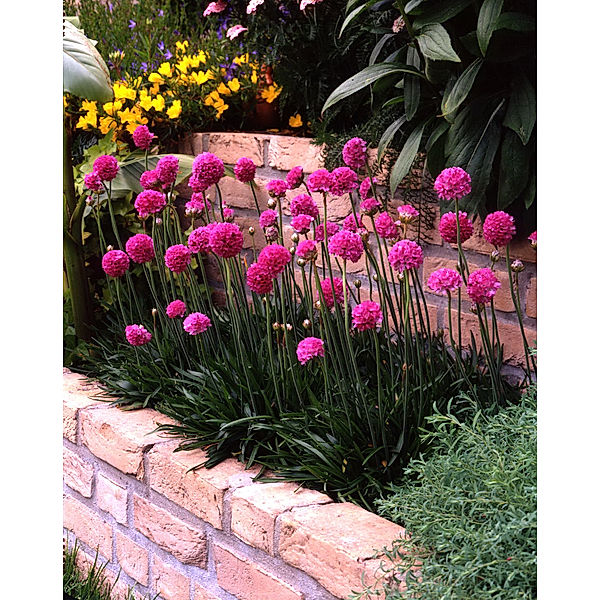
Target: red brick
170	583
133	558
77	392
287	152
183	541
531	303
201	593
229	147
247	581
87	526
112	498
77	473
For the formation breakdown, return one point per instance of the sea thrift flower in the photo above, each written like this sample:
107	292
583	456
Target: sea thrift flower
234	31
149	180
365	186
115	263
295	177
343	181
149	202
302	223
319	181
309	348
244	170
303	204
196	204
453	183
482	286
167	168
370	206
226	240
406	254
228	214
533	239
367	315
274	258
499	228
447	227
386	227
214	8
259	279
142	137
271	233
137	335
196	323
444	280
176	309
336	295
332	229
177	258
267	218
106	167
140	247
347	245
93	182
253	5
207	170
277	188
352	223
355	153
198	240
307	250
407	214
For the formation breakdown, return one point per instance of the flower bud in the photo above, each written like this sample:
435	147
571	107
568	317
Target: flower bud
301	262
375	278
517	266
276	326
158	221
288	326
109	248
295	237
292	250
495	256
271	233
154	312
306	324
89	200
228	218
318	305
357	283
251	230
271	203
473	309
364	234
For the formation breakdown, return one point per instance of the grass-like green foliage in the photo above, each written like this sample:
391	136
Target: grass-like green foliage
471	509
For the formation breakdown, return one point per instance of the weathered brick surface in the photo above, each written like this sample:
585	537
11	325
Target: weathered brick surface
531	302
77	392
170	583
112	498
247	581
88	526
183	541
287	152
201	593
255	508
239	195
335	543
133	558
229	147
77	473
202	491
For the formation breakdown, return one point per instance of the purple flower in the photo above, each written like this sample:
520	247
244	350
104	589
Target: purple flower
110	7
168	54
161	13
161	46
132	23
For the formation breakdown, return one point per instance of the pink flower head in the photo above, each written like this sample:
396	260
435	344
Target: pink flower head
149	202
271	233
406	254
137	335
277	188
140	247
207	170
228	213
332	295
234	31
196	323
499	228
93	182
343	181
307	250
295	177
244	170
142	137
167	169
444	280
533	239
305	3
332	229
274	258
319	181
253	5
367	315
226	240
214	8
309	348
407	214
453	183
115	263
198	240
149	180
447	227
177	258
302	223
365	186
386	227
176	309
482	286
106	167
196	204
355	153
370	206
267	218
303	204
347	245
259	279
352	223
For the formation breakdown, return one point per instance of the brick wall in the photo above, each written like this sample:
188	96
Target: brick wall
209	534
275	155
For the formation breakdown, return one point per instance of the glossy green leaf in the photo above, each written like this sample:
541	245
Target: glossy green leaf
378	47
410	6
388	136
435	43
531	192
392	101
436	134
516	21
521	113
406	158
514	169
461	88
350	17
412	85
486	22
440	13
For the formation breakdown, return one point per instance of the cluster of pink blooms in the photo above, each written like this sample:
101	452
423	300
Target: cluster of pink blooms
533	239
453	183
277	188
448	230
343	181
482	285
167	168
386	227
366	187
199	239
149	202
370	206
346	244
234	31
407	214
499	228
306	250
258	279
226	239
367	315
355	153
115	263
137	335
353	223
176	309
303	204
295	177
207	170
142	137
405	255
319	181
93	182
105	168
267	218
309	348
244	170
270	263
197	204
302	223
215	8
140	247
196	323
444	280
177	258
149	180
332	229
332	295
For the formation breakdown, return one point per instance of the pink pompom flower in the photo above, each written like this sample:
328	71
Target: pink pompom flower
93	182
332	229
149	202
482	286
177	258
365	188
295	177
226	240
447	227
367	315
302	223
215	8
453	183
355	153
167	168
334	295
277	188
533	239
386	227
267	218
198	240
196	205
115	263
140	247
234	31
407	214
149	180
207	170
404	255
343	181
228	214
176	309
271	233
444	280
353	223
142	137
307	250
370	206
106	167
244	170
137	335
319	181
499	228
274	258
259	279
347	245
196	323
303	204
309	348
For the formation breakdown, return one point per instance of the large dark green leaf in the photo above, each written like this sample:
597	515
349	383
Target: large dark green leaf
530	192
378	47
515	21
388	135
440	13
410	6
412	85
461	88
486	22
435	43
514	169
350	17
406	158
436	134
520	115
436	159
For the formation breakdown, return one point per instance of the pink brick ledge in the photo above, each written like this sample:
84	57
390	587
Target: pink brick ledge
209	534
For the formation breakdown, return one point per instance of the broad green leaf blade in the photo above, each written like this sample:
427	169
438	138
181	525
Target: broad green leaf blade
85	73
406	157
531	192
410	6
486	22
435	43
440	129
378	47
520	115
440	13
514	169
461	88
388	135
412	85
349	18
392	101
516	21
362	79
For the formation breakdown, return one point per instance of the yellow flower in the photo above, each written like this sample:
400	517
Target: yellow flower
155	78
145	100
158	103
123	92
165	69
220	110
223	89
254	77
200	77
110	108
270	93
183	64
127	115
154	89
87	105
234	85
106	124
182	46
295	121
133	125
174	110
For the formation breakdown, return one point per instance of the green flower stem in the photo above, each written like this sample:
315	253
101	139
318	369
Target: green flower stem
113	221
270	347
252	188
